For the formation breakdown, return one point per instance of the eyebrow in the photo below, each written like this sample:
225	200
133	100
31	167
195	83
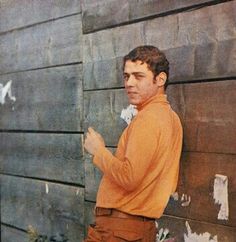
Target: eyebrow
135	73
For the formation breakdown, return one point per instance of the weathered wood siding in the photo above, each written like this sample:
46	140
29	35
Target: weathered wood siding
65	62
41	158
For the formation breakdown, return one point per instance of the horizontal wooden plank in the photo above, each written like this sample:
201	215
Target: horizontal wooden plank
47	99
196	180
193	28
208	115
196	48
92	177
52	43
9	234
102	111
48	156
208	61
50	208
206	110
15	15
127	11
177	228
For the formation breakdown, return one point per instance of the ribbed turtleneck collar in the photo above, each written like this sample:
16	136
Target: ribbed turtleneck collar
158	98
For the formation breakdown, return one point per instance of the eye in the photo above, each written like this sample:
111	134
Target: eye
139	76
125	77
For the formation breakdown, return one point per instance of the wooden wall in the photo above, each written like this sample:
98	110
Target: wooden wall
65	62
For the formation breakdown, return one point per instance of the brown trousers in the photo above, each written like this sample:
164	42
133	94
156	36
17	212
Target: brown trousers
114	227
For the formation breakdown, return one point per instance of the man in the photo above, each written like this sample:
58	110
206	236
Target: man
138	181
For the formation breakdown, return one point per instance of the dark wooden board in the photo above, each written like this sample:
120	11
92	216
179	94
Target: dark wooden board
49	207
177	226
208	115
52	43
127	11
28	12
206	110
9	234
102	111
196	179
92	177
47	99
47	156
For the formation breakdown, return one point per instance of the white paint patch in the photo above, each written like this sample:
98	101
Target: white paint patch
175	196
194	237
162	234
186	200
221	196
77	192
47	188
4	90
128	113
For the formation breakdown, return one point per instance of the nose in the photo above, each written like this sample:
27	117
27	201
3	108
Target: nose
130	81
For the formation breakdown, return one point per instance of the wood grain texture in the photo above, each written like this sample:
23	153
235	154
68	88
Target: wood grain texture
102	110
9	234
196	179
47	156
28	12
177	226
92	178
208	115
198	45
52	43
113	13
50	208
206	110
47	99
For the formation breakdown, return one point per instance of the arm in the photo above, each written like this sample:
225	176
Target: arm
141	146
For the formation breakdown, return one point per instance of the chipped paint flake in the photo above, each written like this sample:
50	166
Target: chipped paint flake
194	237
186	200
128	113
175	196
4	90
46	188
221	196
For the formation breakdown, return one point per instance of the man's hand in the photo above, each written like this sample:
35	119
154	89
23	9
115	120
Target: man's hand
93	141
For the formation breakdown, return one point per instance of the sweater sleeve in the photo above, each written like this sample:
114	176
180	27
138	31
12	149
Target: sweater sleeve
142	144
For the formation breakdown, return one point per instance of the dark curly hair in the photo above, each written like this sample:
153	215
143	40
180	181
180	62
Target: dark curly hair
155	59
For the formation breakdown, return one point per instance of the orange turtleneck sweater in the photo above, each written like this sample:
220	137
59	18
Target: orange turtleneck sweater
141	176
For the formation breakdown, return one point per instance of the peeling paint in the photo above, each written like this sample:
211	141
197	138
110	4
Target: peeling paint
4	90
175	196
186	200
128	113
194	237
221	196
47	188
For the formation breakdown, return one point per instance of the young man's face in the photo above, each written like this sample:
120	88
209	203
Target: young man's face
139	82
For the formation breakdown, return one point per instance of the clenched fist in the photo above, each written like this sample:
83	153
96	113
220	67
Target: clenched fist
93	141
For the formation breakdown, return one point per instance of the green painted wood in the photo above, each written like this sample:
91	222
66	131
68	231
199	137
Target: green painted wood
49	207
47	156
89	215
113	13
47	99
196	179
28	12
52	43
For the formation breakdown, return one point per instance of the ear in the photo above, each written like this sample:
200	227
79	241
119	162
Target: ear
161	79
